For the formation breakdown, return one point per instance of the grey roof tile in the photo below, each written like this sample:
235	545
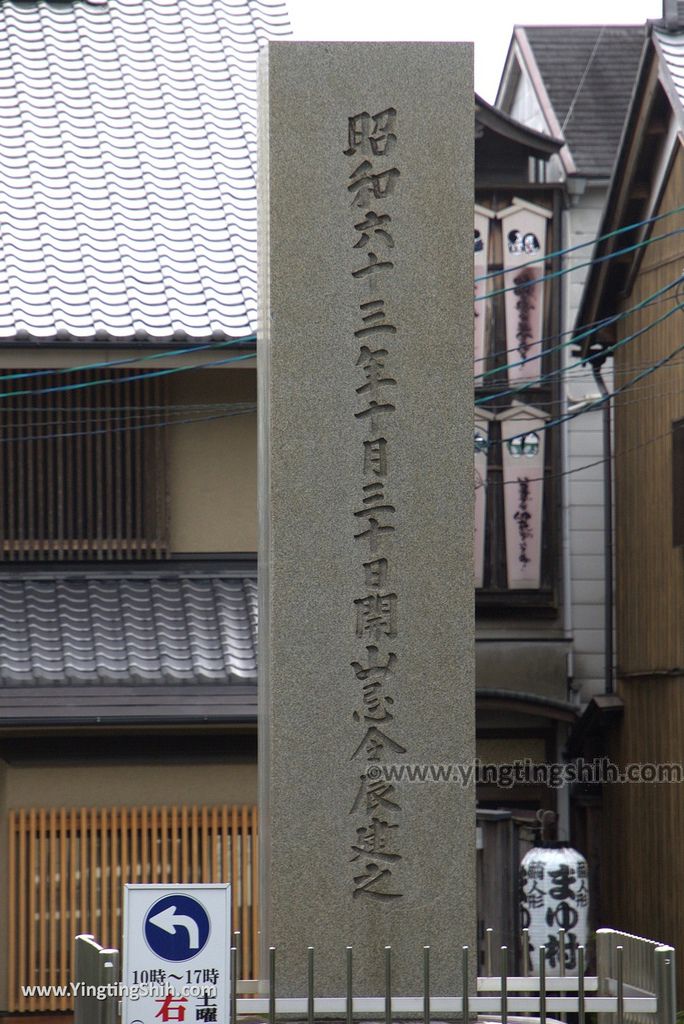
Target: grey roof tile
589	73
82	629
671	46
127	170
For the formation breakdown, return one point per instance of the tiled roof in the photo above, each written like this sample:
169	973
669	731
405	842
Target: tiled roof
589	73
127	168
101	630
671	46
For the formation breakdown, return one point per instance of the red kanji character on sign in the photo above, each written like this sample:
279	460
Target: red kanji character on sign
168	1011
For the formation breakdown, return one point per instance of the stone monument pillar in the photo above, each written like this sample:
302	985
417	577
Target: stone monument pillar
366	661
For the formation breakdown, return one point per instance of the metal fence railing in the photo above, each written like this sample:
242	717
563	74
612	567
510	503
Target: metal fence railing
634	984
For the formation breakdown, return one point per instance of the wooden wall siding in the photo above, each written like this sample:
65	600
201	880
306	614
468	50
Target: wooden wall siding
97	490
649	570
67	869
642	864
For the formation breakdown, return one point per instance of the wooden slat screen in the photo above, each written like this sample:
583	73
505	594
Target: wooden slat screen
82	472
67	869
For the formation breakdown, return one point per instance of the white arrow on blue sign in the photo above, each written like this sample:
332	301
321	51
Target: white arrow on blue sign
176	927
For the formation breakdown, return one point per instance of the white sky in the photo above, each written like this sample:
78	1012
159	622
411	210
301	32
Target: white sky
488	23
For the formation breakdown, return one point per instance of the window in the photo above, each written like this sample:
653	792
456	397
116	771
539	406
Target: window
82	474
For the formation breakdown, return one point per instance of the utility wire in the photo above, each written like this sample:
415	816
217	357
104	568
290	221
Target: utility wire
607	398
81	385
108	364
578	469
129	427
590	241
590	329
523	285
520	389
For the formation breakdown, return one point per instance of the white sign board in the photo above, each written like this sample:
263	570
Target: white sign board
176	954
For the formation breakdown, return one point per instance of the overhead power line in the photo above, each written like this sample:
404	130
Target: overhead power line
575	338
591	241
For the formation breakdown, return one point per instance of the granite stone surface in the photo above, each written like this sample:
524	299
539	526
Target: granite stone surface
366	535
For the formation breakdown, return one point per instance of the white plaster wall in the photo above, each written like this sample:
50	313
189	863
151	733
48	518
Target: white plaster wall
585	486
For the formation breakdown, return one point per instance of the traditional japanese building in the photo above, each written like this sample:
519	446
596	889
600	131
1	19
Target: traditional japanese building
128	465
574	82
524	703
635	289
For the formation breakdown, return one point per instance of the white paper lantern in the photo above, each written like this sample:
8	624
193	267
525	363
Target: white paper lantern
554	894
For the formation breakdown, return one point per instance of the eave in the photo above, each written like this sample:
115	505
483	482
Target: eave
645	154
539	144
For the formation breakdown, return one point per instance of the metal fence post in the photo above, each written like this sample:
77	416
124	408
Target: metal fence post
388	985
666	985
504	984
580	986
426	985
95	967
233	985
110	976
272	984
81	944
310	986
605	940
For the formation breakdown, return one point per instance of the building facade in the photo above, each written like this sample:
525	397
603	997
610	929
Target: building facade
639	296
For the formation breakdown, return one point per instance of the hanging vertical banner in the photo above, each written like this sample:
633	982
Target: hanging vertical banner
482	421
481	257
523	230
522	450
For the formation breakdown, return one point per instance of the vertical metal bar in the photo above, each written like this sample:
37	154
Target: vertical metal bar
659	956
580	986
110	974
542	985
488	951
388	985
272	985
671	986
525	944
603	947
426	985
233	985
350	997
310	986
237	941
504	984
620	984
465	983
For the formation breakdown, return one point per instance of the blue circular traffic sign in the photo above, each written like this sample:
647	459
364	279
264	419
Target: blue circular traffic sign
176	927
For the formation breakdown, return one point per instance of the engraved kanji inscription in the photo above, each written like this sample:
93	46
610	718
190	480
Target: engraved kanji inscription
372	134
365	185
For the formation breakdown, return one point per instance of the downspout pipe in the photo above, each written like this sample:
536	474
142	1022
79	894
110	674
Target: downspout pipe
597	362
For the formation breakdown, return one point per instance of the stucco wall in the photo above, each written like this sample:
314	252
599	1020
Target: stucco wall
212	465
